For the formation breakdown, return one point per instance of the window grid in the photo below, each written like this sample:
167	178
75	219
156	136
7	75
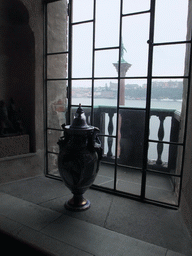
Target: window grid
147	109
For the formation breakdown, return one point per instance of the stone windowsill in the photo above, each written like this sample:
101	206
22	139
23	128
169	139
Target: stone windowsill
8	158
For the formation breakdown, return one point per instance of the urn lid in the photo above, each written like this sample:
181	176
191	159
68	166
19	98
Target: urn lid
79	122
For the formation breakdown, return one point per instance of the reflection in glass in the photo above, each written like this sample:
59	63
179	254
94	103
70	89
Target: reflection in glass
82	51
56	103
130	6
107	23
57	66
53	165
129	180
171	20
105	176
162	188
168	60
82	10
104	63
135	33
57	23
52	139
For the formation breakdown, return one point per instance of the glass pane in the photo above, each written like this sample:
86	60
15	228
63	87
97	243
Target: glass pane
183	111
53	165
82	10
169	60
105	93
162	188
87	111
52	139
171	20
165	157
81	92
107	23
104	63
131	130
165	125
135	33
155	126
167	94
57	24
82	50
105	117
56	104
57	66
129	180
130	6
108	145
135	93
105	176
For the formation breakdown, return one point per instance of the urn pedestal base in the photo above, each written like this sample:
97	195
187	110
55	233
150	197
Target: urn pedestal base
77	203
78	160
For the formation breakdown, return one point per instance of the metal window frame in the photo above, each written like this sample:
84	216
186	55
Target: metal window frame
149	78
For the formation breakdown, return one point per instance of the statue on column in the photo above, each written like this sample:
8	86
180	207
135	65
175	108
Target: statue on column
123	50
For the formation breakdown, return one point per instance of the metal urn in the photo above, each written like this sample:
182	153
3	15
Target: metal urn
79	155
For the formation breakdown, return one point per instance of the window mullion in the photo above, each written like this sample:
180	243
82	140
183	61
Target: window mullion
118	91
148	100
93	63
70	11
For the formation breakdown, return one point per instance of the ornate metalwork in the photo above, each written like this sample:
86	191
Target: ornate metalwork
78	161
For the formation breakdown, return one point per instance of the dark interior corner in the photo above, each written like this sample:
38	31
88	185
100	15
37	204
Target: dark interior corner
18	76
18	246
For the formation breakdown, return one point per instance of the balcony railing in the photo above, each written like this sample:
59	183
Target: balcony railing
131	136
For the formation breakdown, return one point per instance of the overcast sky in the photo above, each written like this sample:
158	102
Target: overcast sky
170	25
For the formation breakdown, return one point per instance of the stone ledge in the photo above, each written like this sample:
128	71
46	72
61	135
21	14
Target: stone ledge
14	145
9	158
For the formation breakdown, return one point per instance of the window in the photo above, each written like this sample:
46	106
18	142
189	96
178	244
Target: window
125	63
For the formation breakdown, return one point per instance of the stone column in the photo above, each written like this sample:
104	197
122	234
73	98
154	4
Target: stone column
123	70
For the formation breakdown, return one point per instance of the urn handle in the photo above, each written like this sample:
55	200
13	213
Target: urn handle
97	143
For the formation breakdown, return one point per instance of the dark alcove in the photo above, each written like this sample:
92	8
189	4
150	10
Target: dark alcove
18	63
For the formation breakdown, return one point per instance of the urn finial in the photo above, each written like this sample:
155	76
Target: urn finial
78	161
79	121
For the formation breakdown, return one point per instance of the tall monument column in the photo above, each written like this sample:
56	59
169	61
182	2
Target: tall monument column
123	70
124	67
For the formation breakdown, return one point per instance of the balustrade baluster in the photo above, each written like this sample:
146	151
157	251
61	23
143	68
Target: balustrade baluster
110	131
160	137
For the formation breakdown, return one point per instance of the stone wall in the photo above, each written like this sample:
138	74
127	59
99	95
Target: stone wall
21	76
21	61
18	49
57	37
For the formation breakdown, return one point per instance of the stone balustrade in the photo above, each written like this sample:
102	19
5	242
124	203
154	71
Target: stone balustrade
131	135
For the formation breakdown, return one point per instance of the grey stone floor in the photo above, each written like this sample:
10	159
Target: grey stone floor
158	187
32	210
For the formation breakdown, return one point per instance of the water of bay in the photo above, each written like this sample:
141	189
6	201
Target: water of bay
160	104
